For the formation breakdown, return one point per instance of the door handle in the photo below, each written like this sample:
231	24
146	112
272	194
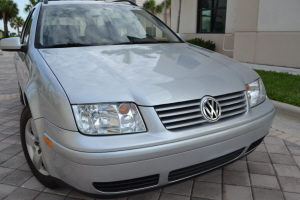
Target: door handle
17	57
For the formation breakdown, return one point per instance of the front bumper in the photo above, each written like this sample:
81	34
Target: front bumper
81	169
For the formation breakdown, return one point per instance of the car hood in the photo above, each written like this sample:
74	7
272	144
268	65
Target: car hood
147	74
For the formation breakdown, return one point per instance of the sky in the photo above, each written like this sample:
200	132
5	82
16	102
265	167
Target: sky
21	5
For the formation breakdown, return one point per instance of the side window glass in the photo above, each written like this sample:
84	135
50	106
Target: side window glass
26	31
151	29
24	27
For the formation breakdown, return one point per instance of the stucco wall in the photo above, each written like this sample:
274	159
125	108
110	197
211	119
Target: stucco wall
265	31
279	15
230	16
268	32
270	48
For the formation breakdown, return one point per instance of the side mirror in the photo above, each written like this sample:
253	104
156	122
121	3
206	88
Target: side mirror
182	36
11	44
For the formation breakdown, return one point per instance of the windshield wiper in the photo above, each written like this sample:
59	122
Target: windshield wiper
143	42
68	45
121	43
86	45
135	42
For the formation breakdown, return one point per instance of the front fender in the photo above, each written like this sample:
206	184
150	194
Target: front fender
45	95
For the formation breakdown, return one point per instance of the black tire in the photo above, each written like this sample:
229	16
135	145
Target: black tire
47	181
21	96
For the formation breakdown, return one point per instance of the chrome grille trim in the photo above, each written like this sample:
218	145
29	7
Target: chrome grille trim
231	102
187	114
233	113
183	105
186	124
179	112
229	97
229	108
192	116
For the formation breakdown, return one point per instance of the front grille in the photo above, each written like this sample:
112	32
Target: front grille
254	145
126	185
203	167
187	114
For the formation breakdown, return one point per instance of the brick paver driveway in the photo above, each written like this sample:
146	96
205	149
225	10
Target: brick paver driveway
270	172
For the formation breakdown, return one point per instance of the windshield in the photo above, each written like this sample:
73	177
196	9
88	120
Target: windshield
99	24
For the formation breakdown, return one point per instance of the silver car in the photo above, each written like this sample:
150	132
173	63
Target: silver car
117	103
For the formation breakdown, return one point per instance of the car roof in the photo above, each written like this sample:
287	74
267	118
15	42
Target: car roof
62	2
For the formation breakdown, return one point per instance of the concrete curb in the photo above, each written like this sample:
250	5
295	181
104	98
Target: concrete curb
287	109
287	118
290	70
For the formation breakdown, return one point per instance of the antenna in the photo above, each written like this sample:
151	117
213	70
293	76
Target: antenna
128	1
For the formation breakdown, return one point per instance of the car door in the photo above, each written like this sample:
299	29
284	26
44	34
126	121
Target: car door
22	59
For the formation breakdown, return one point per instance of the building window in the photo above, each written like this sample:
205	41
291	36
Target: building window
211	16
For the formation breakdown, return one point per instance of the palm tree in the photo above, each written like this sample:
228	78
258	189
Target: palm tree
31	4
169	2
166	4
179	12
152	7
149	5
1	34
8	10
17	23
165	10
158	8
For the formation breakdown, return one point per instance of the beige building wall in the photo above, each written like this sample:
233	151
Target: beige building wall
269	34
279	15
258	31
230	16
188	24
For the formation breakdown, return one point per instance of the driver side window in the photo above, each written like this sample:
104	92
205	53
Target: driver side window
26	30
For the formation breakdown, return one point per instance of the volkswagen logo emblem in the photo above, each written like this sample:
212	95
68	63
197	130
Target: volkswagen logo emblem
210	108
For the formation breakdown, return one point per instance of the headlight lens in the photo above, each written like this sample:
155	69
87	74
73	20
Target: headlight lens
107	119
256	92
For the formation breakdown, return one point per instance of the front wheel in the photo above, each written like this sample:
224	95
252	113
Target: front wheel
32	150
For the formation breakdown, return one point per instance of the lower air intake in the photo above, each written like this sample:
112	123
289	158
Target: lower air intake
203	167
255	144
126	185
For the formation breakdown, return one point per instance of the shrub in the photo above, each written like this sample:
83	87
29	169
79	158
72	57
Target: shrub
202	43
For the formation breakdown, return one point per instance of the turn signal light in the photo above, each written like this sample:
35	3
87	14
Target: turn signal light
48	142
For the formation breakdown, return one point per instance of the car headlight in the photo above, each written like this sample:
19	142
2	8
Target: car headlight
256	92
108	119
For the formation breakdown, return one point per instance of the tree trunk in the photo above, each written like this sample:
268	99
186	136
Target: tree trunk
170	14
165	11
179	12
18	29
5	25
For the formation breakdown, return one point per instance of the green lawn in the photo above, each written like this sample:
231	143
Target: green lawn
282	87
